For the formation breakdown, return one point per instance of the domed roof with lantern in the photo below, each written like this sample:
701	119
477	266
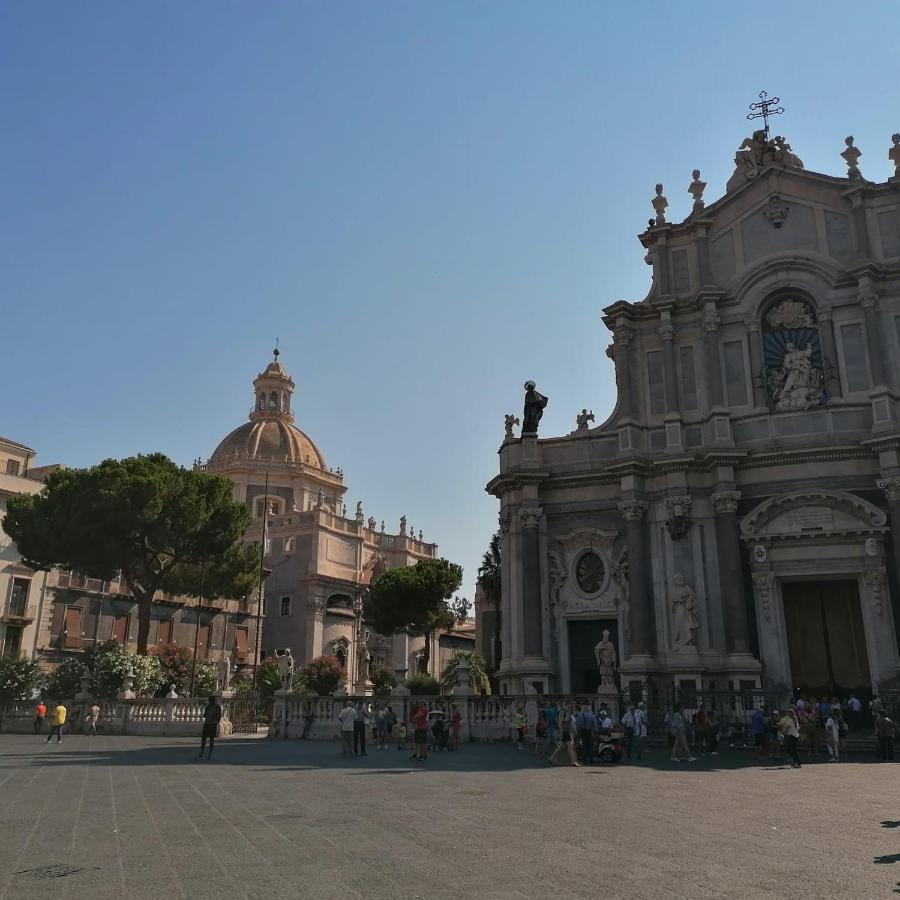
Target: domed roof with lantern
270	435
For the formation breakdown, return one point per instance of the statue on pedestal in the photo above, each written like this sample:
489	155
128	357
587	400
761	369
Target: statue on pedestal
173	694
535	404
685	621
509	421
223	674
286	669
607	662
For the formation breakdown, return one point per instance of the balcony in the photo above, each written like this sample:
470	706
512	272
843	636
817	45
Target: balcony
19	614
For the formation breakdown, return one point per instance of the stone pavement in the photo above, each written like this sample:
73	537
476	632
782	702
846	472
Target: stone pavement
140	818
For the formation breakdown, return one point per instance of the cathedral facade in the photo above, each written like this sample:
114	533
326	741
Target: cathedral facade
735	522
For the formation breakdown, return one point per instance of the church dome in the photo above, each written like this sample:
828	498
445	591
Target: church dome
274	440
270	435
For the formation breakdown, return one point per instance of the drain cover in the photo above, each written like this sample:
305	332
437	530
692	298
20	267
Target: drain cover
59	871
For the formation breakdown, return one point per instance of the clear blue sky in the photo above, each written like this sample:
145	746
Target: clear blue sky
428	202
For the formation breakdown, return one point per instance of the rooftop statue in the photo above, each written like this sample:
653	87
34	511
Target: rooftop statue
535	404
757	152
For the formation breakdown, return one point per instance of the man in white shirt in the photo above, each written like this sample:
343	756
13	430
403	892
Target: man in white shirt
347	718
854	708
640	728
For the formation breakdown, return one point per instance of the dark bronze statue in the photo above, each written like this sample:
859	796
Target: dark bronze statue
534	409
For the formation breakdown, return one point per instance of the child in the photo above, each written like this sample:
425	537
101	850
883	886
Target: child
521	728
402	737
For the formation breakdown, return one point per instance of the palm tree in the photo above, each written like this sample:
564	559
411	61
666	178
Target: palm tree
478	676
489	570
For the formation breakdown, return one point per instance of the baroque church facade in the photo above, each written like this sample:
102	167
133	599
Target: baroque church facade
735	522
320	560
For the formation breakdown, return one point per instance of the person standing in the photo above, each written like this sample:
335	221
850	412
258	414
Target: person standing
57	720
885	731
93	717
390	720
789	727
455	726
380	729
700	735
712	733
832	738
758	730
521	723
420	732
40	714
347	718
540	732
680	750
586	722
854	708
212	715
551	710
640	728
359	730
401	736
628	725
566	740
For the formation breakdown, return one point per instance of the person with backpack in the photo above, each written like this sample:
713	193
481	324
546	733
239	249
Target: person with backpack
885	731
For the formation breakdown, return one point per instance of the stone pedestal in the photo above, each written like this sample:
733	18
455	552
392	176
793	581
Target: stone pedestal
127	692
280	723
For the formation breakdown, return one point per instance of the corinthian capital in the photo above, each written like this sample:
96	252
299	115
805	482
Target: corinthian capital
530	516
316	606
891	487
711	323
666	331
726	501
632	509
623	336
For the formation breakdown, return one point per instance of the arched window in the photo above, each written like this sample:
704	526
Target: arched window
273	400
794	369
261	402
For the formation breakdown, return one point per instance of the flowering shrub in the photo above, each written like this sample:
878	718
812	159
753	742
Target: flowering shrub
177	664
323	675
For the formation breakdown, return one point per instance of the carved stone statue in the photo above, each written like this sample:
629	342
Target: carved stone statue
286	669
797	387
558	576
851	156
535	404
607	660
790	313
359	511
894	154
685	621
582	419
508	422
223	674
659	203
371	523
696	189
402	524
173	694
619	574
758	151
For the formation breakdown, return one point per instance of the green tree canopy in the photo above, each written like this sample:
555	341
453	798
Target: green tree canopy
414	599
489	570
19	679
146	517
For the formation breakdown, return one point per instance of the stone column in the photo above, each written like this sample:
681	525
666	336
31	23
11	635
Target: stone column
873	335
667	332
711	323
757	377
891	488
829	352
618	351
315	622
532	613
731	582
640	613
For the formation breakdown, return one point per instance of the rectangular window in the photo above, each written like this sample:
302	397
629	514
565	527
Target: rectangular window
856	368
18	597
657	389
12	467
72	628
688	379
241	643
164	632
735	375
285	606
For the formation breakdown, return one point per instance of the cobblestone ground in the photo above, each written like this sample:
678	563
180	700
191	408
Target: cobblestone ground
138	817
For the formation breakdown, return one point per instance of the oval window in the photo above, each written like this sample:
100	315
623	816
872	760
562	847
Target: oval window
590	572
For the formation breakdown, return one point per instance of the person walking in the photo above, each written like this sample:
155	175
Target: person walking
566	740
680	750
212	715
359	730
347	718
586	723
789	726
40	713
854	708
885	731
551	710
93	717
699	735
57	720
712	733
540	733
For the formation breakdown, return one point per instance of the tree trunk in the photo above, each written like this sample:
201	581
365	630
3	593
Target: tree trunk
426	653
145	605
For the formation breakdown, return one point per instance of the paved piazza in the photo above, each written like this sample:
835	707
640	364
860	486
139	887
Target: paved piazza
140	818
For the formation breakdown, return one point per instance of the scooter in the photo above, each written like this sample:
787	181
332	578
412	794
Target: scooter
609	748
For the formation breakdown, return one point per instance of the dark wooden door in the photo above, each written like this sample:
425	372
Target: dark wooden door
164	632
120	629
72	628
203	642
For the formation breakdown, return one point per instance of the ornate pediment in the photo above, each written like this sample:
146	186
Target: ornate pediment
811	513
